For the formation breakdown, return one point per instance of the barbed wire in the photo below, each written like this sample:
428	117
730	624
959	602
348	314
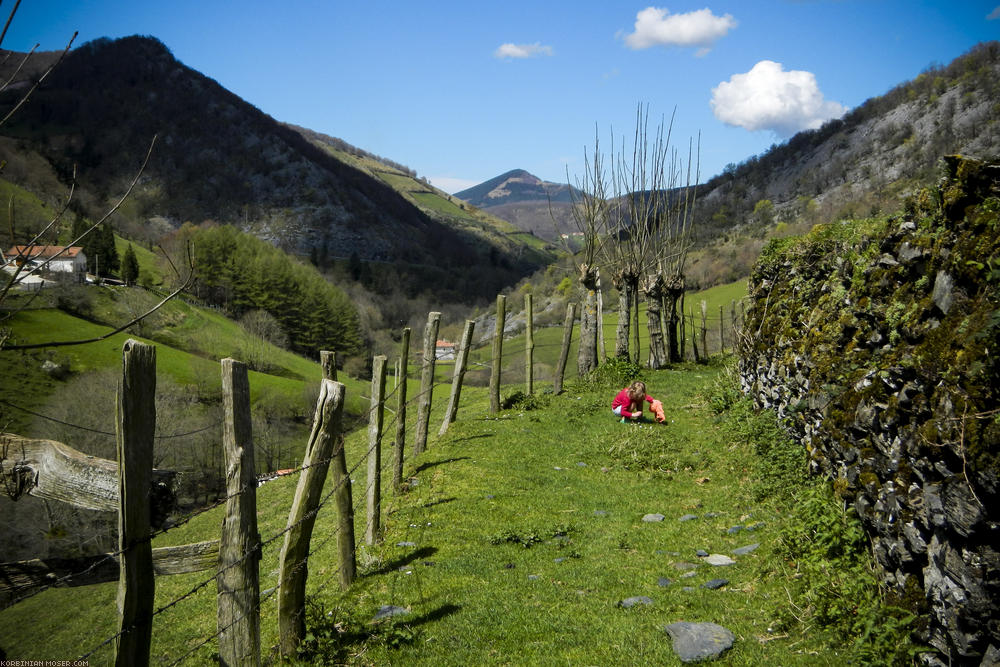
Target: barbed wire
98	431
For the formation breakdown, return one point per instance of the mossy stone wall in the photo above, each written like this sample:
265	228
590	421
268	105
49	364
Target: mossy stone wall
877	341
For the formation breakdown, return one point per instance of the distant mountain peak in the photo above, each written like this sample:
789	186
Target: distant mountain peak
514	186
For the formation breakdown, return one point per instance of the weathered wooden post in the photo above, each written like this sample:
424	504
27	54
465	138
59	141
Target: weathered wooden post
397	467
600	321
426	383
694	339
136	427
497	354
238	579
683	327
374	482
529	346
293	562
461	363
557	383
342	495
704	329
722	334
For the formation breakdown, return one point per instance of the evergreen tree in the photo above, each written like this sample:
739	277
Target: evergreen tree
130	266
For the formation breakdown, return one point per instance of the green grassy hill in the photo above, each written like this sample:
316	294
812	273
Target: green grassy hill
517	538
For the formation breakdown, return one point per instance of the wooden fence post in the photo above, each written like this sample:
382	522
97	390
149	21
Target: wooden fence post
328	361
374	481
293	562
426	383
497	354
342	495
238	579
461	363
683	327
704	329
694	339
722	335
136	427
602	351
404	356
529	346
564	352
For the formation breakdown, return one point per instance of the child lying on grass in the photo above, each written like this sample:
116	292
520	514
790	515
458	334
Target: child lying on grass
628	403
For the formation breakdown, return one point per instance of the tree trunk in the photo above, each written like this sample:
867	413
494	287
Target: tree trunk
673	292
587	358
653	289
624	287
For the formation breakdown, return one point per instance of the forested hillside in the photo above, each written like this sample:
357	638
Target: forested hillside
218	158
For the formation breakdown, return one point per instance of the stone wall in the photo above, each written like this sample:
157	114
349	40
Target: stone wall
876	341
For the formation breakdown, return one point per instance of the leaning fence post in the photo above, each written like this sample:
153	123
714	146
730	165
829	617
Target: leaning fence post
374	481
136	426
238	580
426	383
564	353
497	354
293	562
342	492
461	363
397	467
529	347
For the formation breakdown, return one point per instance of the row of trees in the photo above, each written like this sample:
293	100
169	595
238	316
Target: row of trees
633	208
241	273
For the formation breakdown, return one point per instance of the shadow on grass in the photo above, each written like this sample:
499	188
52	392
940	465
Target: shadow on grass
431	464
396	563
435	615
441	501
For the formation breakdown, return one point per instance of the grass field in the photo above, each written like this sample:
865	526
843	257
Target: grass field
515	541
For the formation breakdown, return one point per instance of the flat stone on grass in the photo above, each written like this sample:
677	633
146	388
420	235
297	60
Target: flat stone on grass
388	610
642	600
743	551
699	641
652	518
715	584
719	560
688	517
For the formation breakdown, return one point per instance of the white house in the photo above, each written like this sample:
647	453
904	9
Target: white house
444	351
51	258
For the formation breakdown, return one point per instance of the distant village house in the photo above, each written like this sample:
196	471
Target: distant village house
444	351
46	258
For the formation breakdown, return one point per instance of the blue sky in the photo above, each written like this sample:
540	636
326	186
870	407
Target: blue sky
464	91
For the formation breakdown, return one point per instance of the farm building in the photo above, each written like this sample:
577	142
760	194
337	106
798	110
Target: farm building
50	258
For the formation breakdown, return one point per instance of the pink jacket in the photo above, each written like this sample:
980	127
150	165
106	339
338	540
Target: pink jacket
623	406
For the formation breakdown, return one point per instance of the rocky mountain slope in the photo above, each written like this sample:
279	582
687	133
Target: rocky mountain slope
540	207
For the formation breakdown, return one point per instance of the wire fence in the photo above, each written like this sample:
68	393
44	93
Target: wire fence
512	365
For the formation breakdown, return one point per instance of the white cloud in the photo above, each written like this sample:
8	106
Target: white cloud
994	15
450	184
769	98
522	50
658	27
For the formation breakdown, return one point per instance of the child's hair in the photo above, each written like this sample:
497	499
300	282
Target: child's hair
637	390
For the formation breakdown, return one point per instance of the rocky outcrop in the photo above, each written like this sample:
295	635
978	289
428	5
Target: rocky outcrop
876	341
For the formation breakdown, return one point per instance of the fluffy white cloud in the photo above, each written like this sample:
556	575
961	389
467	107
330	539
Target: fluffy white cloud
769	98
522	50
658	27
994	15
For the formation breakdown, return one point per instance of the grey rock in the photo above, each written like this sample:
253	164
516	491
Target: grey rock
600	513
715	584
689	574
699	641
581	464
684	566
634	601
388	610
743	551
734	529
719	560
558	560
943	295
701	553
688	517
406	544
533	577
663	582
652	518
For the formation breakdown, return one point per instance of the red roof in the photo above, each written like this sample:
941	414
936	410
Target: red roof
43	251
